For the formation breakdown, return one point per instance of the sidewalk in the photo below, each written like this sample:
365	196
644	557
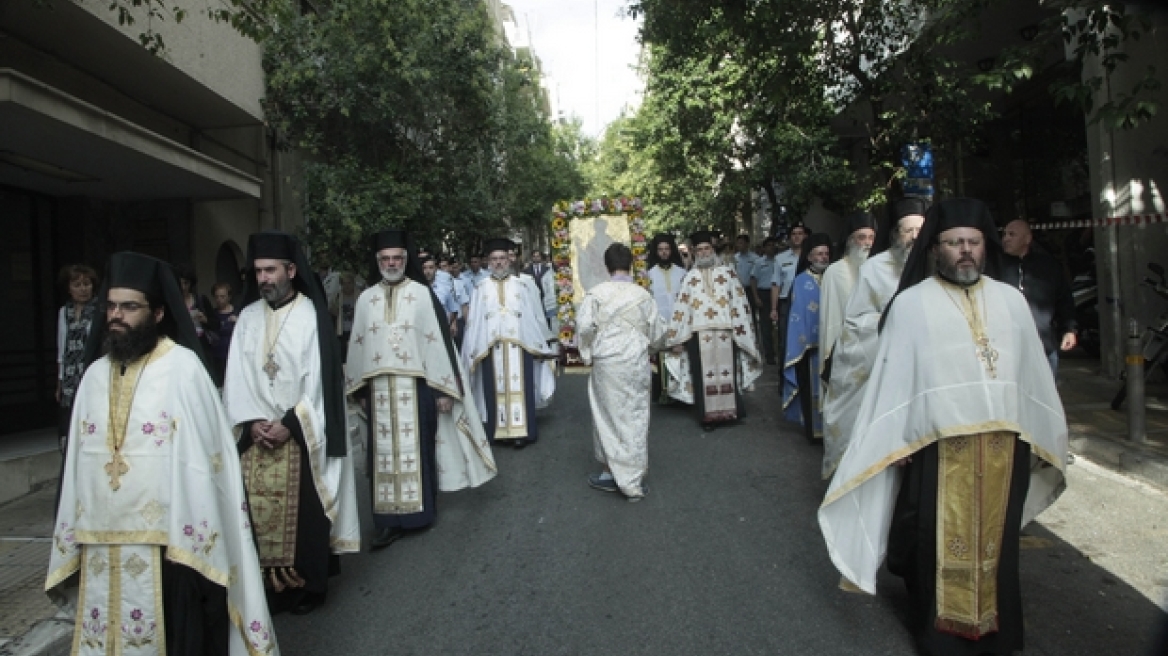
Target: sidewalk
1099	433
30	624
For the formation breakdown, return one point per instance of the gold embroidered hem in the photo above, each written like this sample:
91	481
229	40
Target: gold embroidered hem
973	490
397	455
272	479
510	395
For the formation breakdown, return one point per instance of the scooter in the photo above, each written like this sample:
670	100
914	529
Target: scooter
1155	339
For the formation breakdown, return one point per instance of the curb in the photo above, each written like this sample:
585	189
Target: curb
51	637
1129	459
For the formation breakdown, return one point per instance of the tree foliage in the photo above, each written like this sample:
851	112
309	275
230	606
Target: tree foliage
414	114
813	98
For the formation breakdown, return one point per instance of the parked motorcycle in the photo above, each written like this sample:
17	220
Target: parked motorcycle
1155	339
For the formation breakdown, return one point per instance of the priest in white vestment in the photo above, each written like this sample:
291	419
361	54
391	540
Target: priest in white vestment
284	393
425	434
855	349
801	382
960	441
153	515
838	282
714	354
666	272
506	351
619	326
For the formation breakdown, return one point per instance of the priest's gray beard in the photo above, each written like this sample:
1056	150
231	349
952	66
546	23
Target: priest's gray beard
900	252
962	277
134	343
274	292
857	251
393	276
706	262
501	272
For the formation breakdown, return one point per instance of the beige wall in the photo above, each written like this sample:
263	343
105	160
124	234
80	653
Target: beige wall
212	53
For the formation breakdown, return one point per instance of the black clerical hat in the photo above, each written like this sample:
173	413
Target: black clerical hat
129	270
272	246
391	238
861	220
909	206
702	237
156	280
498	244
811	243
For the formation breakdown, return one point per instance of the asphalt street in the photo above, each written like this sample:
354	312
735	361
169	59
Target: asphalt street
723	557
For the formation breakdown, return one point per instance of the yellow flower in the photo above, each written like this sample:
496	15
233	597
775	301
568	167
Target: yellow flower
564	298
557	244
558	224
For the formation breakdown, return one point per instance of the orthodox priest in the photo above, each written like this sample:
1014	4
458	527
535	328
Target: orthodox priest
153	514
284	392
425	433
838	282
960	442
505	334
619	326
801	382
665	273
855	350
714	357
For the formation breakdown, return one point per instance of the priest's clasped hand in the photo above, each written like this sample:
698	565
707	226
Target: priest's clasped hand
445	404
269	434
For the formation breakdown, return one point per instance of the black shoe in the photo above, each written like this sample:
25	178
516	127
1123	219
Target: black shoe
308	603
386	537
520	444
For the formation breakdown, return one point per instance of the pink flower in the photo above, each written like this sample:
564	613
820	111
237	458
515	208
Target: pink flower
256	626
95	613
188	530
148	428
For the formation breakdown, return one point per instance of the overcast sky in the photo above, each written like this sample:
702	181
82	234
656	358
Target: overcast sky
564	34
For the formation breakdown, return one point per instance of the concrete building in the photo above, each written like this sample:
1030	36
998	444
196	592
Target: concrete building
106	147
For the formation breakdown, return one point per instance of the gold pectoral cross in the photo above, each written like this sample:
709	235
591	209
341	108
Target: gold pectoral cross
115	469
988	356
270	367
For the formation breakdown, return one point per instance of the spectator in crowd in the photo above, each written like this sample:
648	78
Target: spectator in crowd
1040	278
73	324
226	314
200	308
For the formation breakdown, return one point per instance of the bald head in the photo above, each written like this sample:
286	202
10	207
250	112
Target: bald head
1016	238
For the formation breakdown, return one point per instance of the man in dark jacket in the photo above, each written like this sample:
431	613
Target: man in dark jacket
1040	278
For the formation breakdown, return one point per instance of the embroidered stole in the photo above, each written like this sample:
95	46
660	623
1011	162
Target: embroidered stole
973	490
272	479
717	366
510	395
119	610
397	451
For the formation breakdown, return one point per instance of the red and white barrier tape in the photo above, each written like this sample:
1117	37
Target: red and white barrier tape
1142	219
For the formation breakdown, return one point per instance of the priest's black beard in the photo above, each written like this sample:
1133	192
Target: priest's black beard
125	347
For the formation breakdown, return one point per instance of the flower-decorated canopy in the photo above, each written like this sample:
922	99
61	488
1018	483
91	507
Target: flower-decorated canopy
595	218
